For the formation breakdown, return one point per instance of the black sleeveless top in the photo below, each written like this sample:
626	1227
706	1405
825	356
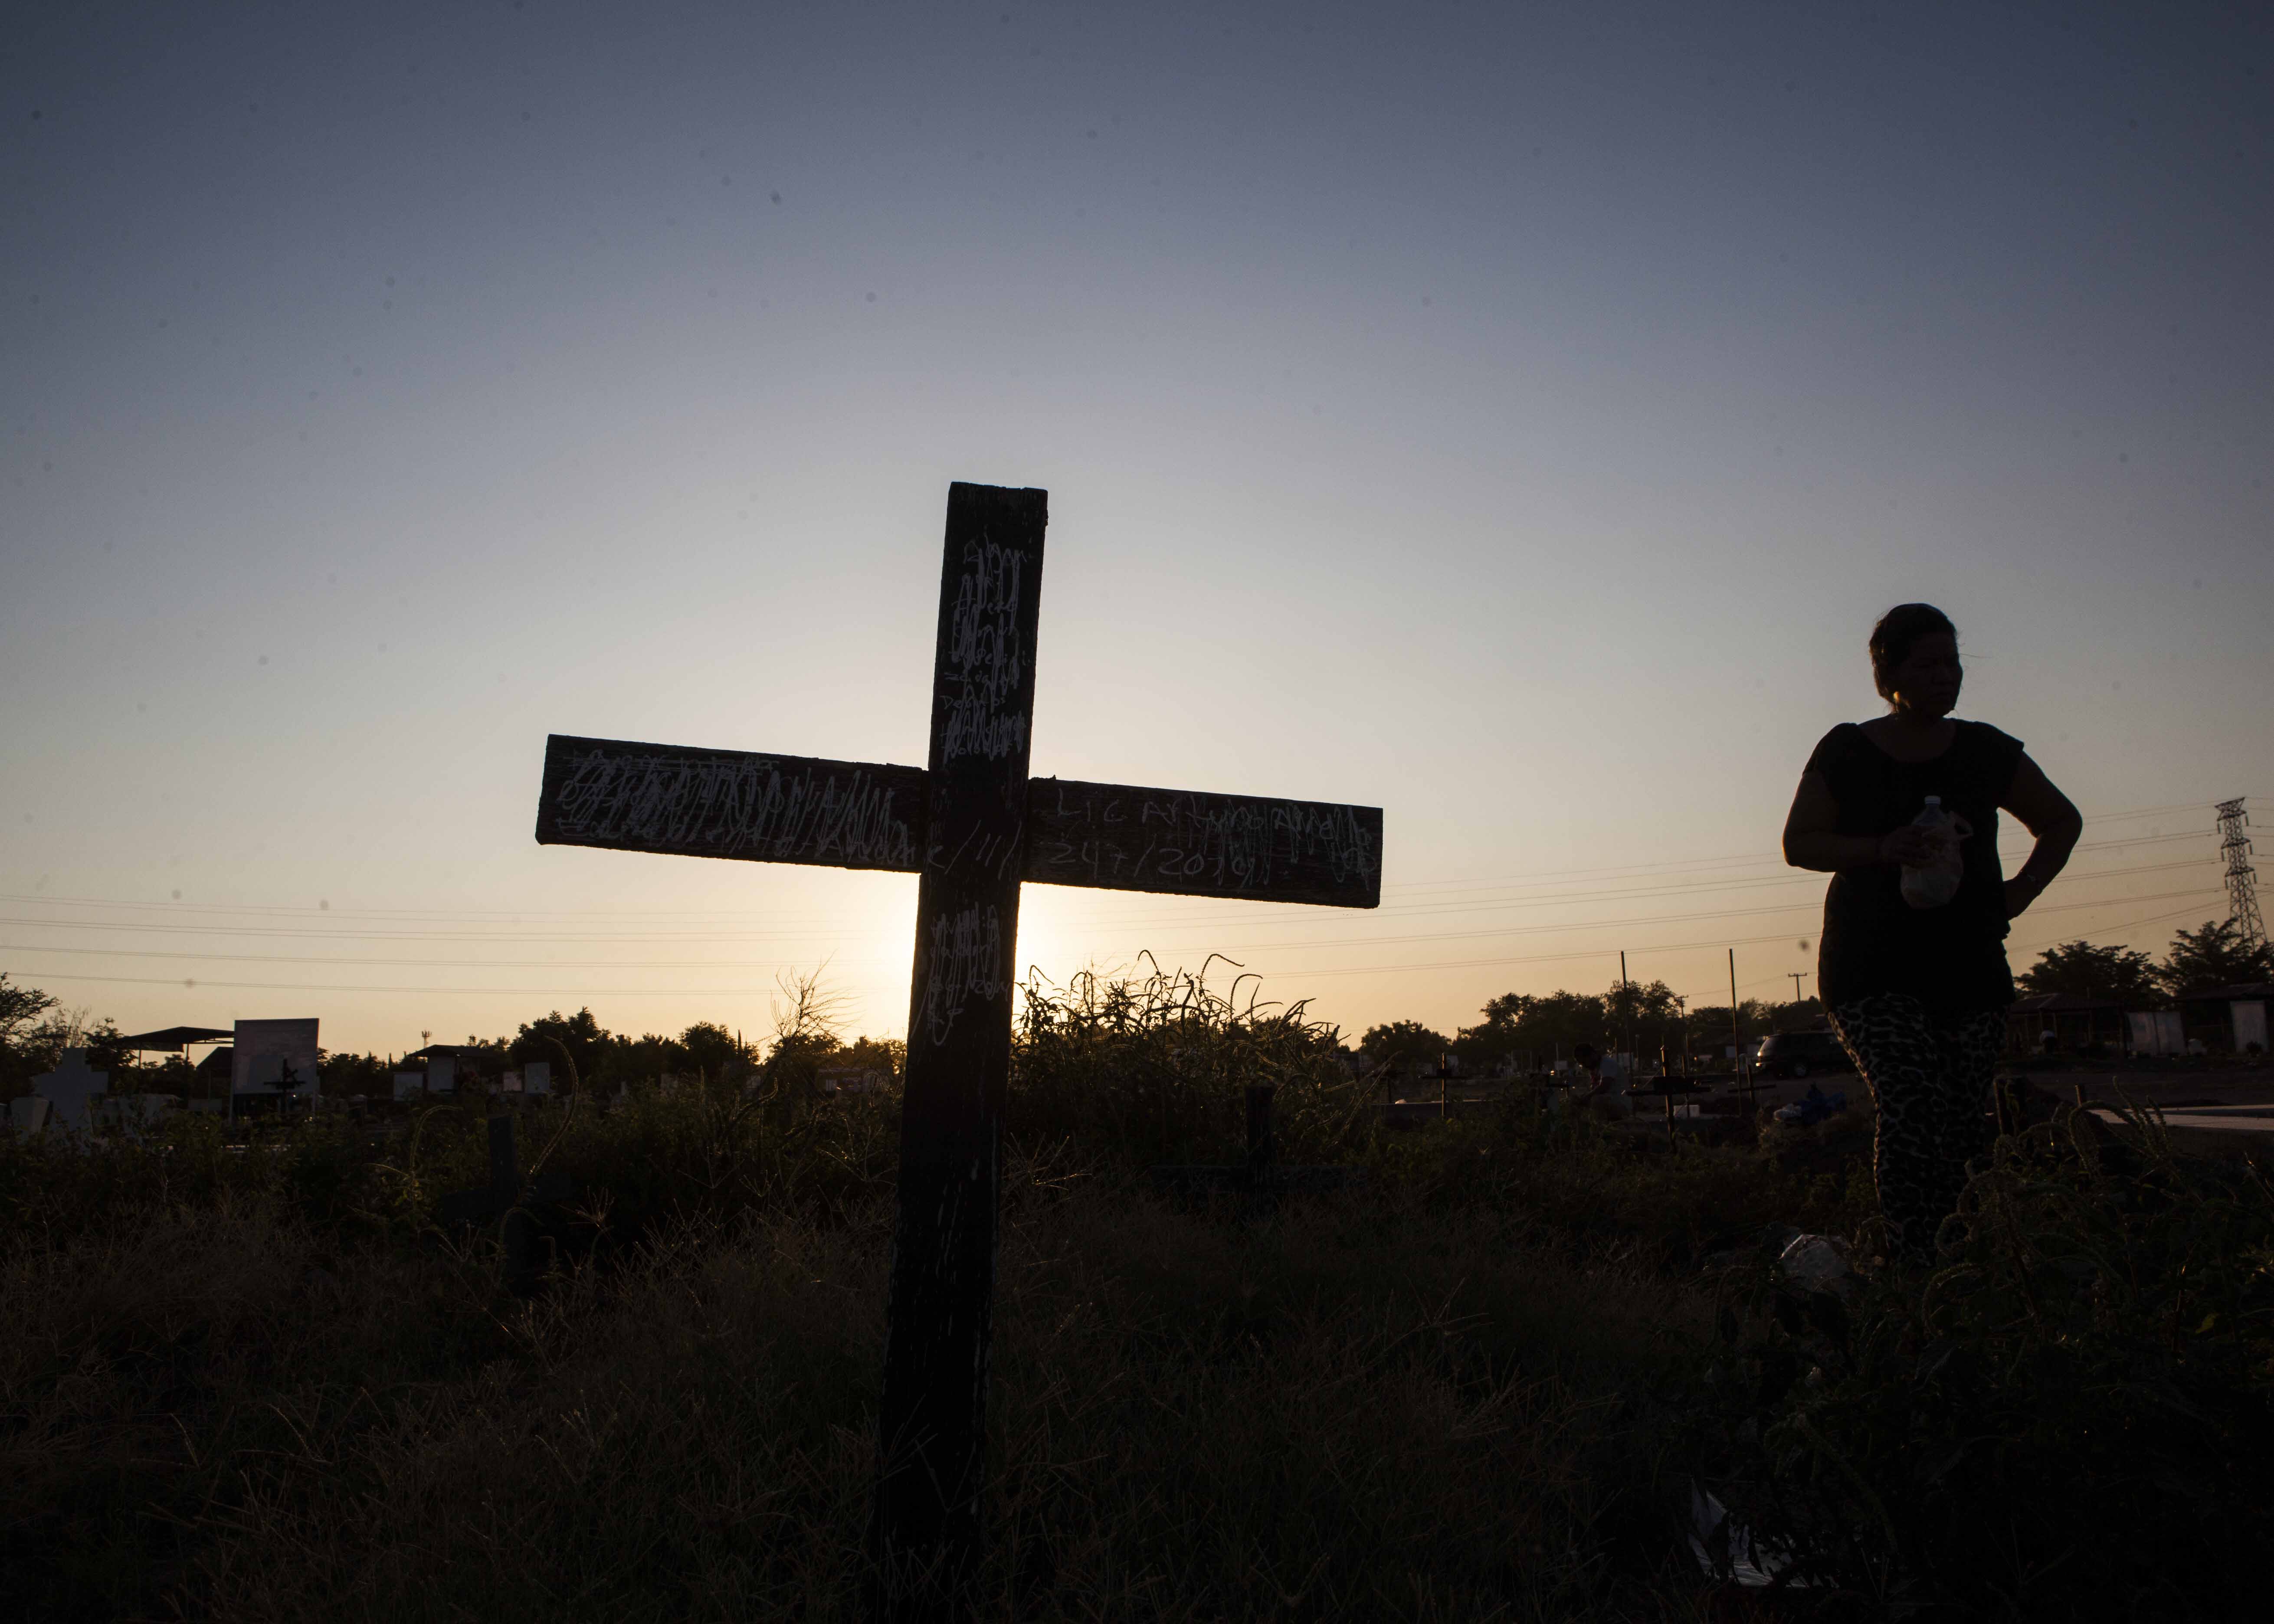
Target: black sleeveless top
1953	957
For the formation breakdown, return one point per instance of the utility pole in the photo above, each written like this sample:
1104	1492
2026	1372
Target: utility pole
1736	1024
1798	976
2242	891
1626	994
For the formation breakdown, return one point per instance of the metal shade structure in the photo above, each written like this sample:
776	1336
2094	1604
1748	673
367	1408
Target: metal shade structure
174	1040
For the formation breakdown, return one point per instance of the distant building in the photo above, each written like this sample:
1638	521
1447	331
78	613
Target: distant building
2077	1025
2228	1020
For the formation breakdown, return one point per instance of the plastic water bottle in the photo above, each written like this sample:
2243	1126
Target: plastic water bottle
1935	884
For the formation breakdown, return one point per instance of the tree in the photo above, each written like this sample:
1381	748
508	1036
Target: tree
1798	1015
1710	1027
717	1053
2216	955
346	1074
105	1049
2080	970
1647	1011
889	1056
1403	1043
588	1043
19	1005
38	1049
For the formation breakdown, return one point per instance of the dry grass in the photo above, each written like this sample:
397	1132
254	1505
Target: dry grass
1345	1412
257	1385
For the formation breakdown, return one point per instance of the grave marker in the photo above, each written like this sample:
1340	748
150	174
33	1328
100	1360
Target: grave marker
1262	1177
508	1200
973	827
69	1088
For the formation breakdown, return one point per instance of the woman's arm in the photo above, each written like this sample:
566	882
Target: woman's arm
2048	815
1812	840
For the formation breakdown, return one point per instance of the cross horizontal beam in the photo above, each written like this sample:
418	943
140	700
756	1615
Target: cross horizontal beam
695	802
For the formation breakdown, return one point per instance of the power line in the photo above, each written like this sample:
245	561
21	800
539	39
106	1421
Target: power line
1551	928
1650	872
1178	922
1308	974
194	983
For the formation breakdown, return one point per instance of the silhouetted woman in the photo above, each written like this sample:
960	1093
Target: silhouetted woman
1918	995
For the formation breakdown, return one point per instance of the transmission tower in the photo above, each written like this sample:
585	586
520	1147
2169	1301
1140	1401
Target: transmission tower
2241	894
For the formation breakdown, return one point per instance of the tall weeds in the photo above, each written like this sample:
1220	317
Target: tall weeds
1154	1068
259	1382
2072	1415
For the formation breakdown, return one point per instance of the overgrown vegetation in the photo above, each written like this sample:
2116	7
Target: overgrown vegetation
257	1381
2067	1417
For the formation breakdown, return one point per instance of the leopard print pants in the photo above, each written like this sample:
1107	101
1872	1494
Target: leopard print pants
1929	1082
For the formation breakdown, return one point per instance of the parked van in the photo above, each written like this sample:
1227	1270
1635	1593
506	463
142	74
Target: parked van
1801	1053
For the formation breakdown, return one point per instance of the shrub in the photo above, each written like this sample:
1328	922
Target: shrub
2073	1415
1154	1068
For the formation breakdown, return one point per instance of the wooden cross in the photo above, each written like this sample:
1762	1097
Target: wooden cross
511	1202
973	827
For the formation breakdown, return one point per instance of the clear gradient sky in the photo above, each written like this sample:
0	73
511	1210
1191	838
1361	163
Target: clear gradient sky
1511	416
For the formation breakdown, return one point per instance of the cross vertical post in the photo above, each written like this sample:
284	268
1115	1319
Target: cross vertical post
924	1529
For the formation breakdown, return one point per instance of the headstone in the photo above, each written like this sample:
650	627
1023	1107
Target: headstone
69	1087
973	827
29	1115
135	1113
509	1082
2157	1032
2249	1017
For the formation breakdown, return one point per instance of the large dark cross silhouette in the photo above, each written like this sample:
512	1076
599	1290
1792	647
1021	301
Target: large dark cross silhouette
973	827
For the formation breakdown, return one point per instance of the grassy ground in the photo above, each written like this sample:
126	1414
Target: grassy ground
260	1385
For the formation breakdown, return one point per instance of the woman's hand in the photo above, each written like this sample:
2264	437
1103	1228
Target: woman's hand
2051	817
1910	845
2021	891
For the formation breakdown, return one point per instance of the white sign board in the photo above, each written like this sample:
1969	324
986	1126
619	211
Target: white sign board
537	1077
410	1084
2249	1023
441	1074
272	1056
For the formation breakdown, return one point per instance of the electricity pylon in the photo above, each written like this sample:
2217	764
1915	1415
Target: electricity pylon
2242	891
